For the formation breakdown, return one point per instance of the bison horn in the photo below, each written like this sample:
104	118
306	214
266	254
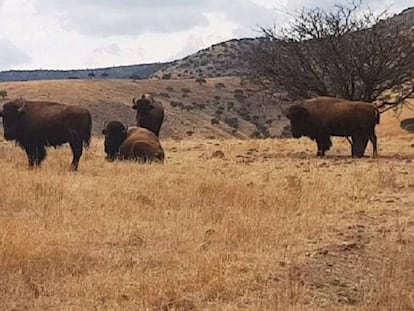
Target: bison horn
134	100
126	126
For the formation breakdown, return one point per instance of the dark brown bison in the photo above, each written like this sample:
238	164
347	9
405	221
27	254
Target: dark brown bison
150	113
35	125
134	143
321	117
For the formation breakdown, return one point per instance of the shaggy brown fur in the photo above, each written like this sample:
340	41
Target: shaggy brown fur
37	124
321	117
150	113
136	143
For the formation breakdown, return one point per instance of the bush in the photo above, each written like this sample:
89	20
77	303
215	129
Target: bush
233	122
220	85
176	104
169	88
3	94
214	121
166	95
166	76
135	77
201	81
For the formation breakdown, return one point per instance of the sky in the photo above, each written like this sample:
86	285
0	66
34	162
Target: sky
78	34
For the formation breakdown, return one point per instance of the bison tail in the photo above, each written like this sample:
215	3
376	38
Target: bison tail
88	133
377	116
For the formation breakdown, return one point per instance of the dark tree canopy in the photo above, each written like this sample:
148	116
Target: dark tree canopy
347	51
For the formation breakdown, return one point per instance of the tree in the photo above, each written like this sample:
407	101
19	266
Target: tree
104	75
347	51
91	75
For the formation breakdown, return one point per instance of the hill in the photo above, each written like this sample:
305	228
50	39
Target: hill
219	108
227	58
121	72
219	60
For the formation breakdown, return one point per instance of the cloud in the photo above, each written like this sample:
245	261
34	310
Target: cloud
61	34
11	55
124	17
112	49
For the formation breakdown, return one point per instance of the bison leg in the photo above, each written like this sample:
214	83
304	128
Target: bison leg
373	139
77	150
35	155
359	145
323	143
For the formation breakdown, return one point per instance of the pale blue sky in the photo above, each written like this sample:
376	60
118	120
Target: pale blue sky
64	34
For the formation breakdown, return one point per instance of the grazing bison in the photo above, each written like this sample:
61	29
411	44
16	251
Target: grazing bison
134	143
150	113
37	124
321	117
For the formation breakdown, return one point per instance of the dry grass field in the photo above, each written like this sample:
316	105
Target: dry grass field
224	224
266	227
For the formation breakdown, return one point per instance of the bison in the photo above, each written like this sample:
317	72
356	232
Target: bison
321	117
133	143
35	125
150	113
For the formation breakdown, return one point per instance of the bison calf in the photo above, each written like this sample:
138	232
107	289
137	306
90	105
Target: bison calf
322	117
37	124
134	143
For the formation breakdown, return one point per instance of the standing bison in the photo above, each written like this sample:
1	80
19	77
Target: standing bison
321	117
37	124
134	143
150	113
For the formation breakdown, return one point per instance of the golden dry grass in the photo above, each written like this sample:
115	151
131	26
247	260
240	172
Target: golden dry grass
267	227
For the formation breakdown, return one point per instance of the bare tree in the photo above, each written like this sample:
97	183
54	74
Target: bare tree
347	51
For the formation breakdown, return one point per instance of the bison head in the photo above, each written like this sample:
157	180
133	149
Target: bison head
115	134
143	105
12	114
298	116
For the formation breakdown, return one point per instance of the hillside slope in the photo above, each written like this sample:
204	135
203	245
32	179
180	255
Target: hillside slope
227	58
221	108
219	60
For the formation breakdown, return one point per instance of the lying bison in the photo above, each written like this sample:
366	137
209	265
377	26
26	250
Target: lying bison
37	124
321	117
134	143
150	113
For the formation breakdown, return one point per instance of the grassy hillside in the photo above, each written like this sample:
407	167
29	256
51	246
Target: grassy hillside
267	227
219	60
220	108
